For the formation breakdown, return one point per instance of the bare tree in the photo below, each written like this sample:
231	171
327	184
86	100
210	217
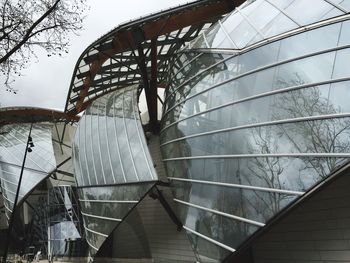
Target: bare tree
26	25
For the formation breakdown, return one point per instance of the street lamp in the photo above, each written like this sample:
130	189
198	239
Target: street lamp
29	147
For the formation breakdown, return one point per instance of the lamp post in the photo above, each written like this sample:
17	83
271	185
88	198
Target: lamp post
27	149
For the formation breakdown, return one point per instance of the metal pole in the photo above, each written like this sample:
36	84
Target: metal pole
16	199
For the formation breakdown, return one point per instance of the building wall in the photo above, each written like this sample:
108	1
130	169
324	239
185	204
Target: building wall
318	231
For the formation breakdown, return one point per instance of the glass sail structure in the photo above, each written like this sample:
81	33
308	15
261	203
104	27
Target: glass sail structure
113	167
255	118
256	113
40	162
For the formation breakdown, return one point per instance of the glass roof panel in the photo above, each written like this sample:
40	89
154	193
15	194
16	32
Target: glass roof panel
306	11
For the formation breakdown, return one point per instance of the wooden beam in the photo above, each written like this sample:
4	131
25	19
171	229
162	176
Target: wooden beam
126	39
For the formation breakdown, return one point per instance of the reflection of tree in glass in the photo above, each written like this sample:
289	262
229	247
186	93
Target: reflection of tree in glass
319	136
322	136
203	81
268	171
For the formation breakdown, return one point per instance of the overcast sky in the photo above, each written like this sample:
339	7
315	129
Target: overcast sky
45	83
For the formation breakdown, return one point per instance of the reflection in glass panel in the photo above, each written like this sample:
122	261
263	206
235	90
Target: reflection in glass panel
110	149
110	142
39	162
311	101
306	12
104	208
247	137
207	252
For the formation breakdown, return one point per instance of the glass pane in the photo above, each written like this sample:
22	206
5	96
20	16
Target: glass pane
345	33
309	42
341	68
306	11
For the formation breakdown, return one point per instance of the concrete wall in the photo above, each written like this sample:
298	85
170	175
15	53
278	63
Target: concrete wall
318	231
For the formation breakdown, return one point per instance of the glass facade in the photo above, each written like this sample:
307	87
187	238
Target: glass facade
65	226
113	167
256	113
248	130
39	163
258	20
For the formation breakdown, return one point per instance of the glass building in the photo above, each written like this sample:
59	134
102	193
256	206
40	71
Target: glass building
216	131
35	156
268	87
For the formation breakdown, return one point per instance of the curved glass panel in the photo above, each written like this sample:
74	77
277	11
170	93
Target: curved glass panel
259	20
104	208
252	132
109	146
113	166
38	164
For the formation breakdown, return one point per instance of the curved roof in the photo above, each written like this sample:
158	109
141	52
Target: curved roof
125	55
259	20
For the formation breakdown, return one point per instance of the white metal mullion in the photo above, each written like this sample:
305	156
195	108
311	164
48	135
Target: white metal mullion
198	74
275	64
127	137
274	155
95	232
8	218
37	145
92	150
79	160
87	241
108	150
238	218
283	12
7	207
85	154
116	137
7	181
5	148
109	201
250	22
209	239
227	35
261	95
25	168
186	64
101	217
205	40
99	144
5	196
260	124
336	6
249	187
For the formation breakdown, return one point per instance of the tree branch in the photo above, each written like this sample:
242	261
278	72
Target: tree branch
27	35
